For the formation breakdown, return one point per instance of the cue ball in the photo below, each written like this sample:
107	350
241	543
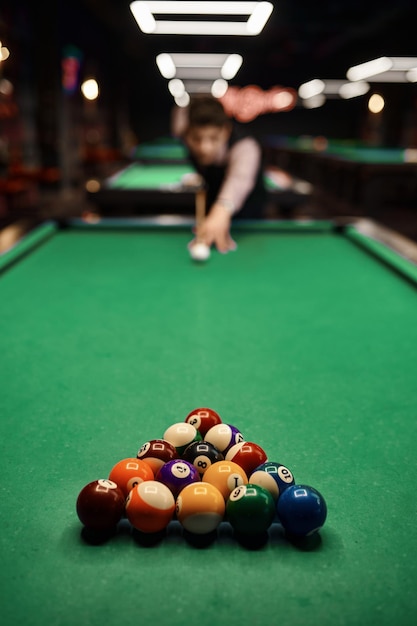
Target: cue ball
100	505
199	252
150	506
127	473
301	510
200	508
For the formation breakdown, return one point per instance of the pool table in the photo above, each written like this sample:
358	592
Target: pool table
169	150
369	179
149	187
154	187
304	338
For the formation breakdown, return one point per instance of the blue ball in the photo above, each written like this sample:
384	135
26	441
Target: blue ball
272	476
301	510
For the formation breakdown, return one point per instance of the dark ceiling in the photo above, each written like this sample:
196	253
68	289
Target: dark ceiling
303	39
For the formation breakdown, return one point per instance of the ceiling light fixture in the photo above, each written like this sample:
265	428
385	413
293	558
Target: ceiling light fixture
370	68
332	88
354	89
198	65
144	13
311	88
315	101
384	70
412	75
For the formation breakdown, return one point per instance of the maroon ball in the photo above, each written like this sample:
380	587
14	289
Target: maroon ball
100	505
156	453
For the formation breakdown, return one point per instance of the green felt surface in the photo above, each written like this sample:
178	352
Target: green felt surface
390	156
144	176
301	339
161	176
347	150
164	148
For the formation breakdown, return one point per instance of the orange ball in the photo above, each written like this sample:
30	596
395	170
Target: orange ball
150	506
129	472
200	508
226	476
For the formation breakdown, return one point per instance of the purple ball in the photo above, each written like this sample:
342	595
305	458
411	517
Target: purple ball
177	474
236	437
223	437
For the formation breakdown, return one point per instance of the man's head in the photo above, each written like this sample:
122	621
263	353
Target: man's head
208	129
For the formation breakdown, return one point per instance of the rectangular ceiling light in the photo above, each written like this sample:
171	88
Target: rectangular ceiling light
198	86
392	76
178	88
402	64
345	89
383	70
353	89
146	15
198	65
332	88
197	73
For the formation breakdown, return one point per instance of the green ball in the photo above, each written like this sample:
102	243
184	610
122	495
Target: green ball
250	509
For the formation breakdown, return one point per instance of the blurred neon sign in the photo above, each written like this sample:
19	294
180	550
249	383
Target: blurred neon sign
247	103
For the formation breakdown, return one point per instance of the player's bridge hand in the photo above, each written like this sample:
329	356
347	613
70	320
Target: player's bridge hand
192	179
215	230
224	243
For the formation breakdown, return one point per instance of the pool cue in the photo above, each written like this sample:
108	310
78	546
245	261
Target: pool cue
200	212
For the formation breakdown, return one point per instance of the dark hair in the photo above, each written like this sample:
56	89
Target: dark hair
206	111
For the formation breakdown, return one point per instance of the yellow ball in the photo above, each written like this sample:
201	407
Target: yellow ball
226	476
200	508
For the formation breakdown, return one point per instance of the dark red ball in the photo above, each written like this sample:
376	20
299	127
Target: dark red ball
156	453
100	505
247	454
203	419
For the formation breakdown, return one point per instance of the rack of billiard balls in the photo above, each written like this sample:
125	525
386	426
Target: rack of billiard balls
201	472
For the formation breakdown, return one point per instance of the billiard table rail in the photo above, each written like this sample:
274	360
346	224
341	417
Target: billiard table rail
391	248
394	250
117	196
